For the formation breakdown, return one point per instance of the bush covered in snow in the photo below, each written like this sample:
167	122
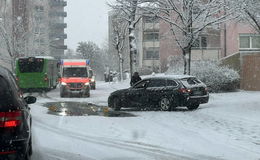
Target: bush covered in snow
217	78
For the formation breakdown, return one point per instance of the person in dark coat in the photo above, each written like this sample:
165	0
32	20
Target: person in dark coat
135	78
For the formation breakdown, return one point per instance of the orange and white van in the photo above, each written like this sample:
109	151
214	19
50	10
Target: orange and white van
74	77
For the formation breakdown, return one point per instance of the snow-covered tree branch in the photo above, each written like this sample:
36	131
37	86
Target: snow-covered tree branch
13	32
129	10
119	29
187	19
249	11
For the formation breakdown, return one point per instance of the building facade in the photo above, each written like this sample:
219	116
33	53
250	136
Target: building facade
239	37
148	43
57	26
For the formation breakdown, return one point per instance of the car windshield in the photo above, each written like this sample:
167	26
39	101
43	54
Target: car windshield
130	79
75	72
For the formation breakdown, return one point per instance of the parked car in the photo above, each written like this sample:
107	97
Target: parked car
92	79
15	119
165	92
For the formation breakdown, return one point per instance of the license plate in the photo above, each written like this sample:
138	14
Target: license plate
197	93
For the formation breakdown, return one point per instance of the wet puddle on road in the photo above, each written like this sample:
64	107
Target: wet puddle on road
82	109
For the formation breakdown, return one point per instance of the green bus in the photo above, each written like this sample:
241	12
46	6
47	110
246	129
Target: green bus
38	73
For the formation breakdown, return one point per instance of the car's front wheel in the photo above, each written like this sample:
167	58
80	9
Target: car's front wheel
193	107
116	104
165	104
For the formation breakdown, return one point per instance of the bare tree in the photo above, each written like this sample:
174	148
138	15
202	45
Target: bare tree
187	19
119	38
250	11
90	50
129	8
13	30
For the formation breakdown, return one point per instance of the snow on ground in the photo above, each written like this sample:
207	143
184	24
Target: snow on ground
228	127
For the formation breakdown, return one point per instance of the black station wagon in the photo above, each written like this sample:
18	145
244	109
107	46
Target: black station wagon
15	120
164	92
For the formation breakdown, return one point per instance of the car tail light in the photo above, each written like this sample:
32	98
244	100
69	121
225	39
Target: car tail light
184	90
10	119
8	152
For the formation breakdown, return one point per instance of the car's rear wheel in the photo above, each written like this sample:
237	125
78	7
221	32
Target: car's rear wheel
165	104
193	107
62	94
116	104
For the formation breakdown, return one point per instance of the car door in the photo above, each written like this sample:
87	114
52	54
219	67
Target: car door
155	90
136	95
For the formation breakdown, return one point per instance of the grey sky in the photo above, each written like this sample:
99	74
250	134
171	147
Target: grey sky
87	21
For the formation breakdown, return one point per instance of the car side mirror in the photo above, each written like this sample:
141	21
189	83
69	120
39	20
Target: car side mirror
30	99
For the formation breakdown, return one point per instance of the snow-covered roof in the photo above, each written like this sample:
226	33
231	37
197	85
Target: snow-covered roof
168	76
44	57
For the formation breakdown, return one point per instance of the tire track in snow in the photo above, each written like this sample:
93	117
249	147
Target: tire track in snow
146	149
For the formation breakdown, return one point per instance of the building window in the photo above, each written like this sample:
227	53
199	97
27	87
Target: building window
152	54
201	43
39	8
251	41
151	36
151	19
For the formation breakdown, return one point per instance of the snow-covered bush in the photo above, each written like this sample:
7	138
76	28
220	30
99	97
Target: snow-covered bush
218	78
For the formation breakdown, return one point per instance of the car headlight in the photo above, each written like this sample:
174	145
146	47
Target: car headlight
87	84
63	83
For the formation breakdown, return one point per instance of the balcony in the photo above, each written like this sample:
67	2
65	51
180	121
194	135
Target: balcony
58	14
58	3
58	36
59	25
62	47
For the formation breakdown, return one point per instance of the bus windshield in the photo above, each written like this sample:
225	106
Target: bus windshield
30	65
75	72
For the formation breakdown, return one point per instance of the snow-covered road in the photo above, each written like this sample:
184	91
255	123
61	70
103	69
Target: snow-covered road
226	128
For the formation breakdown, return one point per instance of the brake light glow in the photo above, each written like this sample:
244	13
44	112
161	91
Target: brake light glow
10	119
184	90
46	78
8	152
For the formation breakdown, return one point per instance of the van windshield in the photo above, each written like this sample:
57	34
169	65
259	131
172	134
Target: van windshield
75	72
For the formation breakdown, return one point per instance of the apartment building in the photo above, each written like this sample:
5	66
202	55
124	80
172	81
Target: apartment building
57	26
148	43
240	37
39	28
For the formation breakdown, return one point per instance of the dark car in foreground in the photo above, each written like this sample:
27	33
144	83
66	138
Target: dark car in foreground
164	92
15	120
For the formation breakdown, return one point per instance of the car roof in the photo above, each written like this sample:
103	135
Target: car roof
172	77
